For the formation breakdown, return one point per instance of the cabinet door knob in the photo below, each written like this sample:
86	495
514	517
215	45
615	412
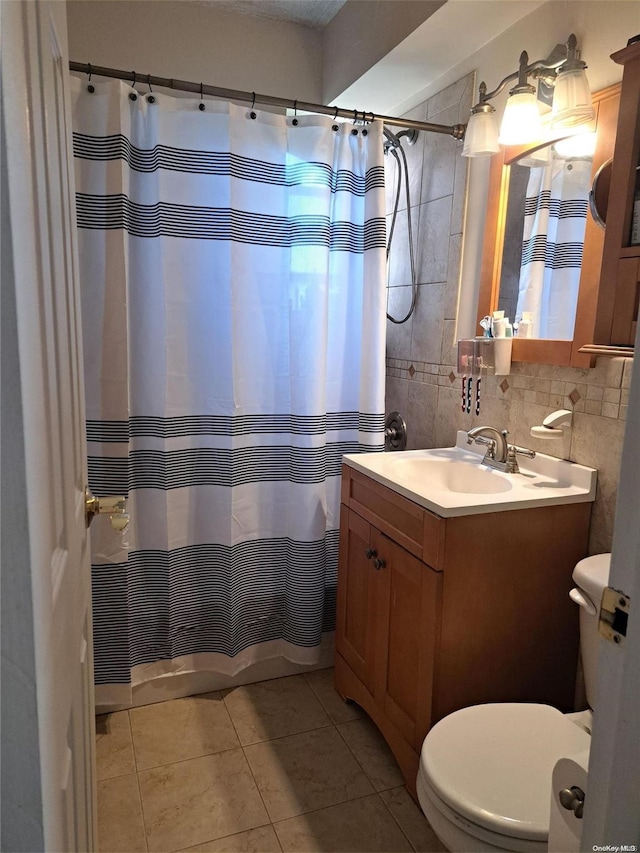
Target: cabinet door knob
370	552
379	564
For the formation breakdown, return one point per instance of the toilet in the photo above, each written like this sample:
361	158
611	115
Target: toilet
484	781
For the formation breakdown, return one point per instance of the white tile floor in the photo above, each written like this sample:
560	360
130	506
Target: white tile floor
282	765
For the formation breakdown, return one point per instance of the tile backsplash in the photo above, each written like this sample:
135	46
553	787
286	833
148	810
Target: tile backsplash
422	382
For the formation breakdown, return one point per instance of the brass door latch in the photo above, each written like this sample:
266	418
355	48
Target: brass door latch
614	615
115	506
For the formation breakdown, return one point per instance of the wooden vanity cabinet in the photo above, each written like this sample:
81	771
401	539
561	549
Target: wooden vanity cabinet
435	614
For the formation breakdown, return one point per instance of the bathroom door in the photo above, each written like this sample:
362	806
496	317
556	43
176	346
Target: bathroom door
48	623
612	805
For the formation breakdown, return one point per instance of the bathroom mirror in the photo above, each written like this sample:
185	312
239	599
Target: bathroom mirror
538	255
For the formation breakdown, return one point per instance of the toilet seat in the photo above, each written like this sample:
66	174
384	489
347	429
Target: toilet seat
492	764
458	833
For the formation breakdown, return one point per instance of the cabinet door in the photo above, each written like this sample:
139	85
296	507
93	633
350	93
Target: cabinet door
356	605
413	594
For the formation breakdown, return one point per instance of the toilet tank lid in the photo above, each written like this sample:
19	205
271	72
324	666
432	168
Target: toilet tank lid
592	575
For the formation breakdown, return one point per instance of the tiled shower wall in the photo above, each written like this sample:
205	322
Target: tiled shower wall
421	354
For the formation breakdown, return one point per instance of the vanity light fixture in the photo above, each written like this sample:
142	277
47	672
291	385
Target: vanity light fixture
572	104
563	71
521	120
481	136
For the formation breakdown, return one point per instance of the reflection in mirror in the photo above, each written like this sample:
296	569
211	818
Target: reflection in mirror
544	238
588	322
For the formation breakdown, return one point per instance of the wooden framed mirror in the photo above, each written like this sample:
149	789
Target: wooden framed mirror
503	261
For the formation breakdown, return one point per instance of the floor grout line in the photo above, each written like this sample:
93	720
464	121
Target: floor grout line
289	734
135	763
262	800
244	755
395	819
362	767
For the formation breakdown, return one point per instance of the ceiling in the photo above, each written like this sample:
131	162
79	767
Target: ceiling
310	13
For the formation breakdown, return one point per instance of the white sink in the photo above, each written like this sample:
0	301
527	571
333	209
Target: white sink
451	475
452	481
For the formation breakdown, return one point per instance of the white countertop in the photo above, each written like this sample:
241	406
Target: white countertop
452	481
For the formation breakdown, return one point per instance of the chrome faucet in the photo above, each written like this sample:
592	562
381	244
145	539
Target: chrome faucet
500	454
496	441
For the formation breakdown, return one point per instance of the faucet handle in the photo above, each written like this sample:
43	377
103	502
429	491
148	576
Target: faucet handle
513	451
489	443
523	451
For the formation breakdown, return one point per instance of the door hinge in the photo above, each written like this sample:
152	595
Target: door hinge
614	615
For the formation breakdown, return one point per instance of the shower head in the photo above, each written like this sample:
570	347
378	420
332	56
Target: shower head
392	140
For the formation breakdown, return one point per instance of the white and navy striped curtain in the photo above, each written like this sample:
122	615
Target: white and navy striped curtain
233	272
553	238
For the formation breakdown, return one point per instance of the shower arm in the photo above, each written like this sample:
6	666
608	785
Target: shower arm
456	130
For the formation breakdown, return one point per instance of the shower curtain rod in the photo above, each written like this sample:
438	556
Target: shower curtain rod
456	130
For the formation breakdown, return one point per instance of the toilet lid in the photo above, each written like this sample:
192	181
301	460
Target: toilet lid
492	764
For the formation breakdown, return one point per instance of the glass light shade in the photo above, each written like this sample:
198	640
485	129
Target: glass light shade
572	104
481	136
521	121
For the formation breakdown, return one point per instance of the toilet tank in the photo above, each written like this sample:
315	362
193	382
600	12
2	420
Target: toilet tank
590	576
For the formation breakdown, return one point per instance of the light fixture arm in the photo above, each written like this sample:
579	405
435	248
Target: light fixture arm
538	68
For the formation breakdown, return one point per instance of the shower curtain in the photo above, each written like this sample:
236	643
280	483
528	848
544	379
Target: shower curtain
553	237
233	295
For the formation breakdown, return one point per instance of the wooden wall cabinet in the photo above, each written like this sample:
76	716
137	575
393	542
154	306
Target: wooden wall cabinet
617	312
437	614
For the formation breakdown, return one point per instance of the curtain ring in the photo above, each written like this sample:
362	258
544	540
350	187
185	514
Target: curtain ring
335	115
295	113
253	100
150	98
89	71
201	105
90	88
134	79
133	95
355	115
